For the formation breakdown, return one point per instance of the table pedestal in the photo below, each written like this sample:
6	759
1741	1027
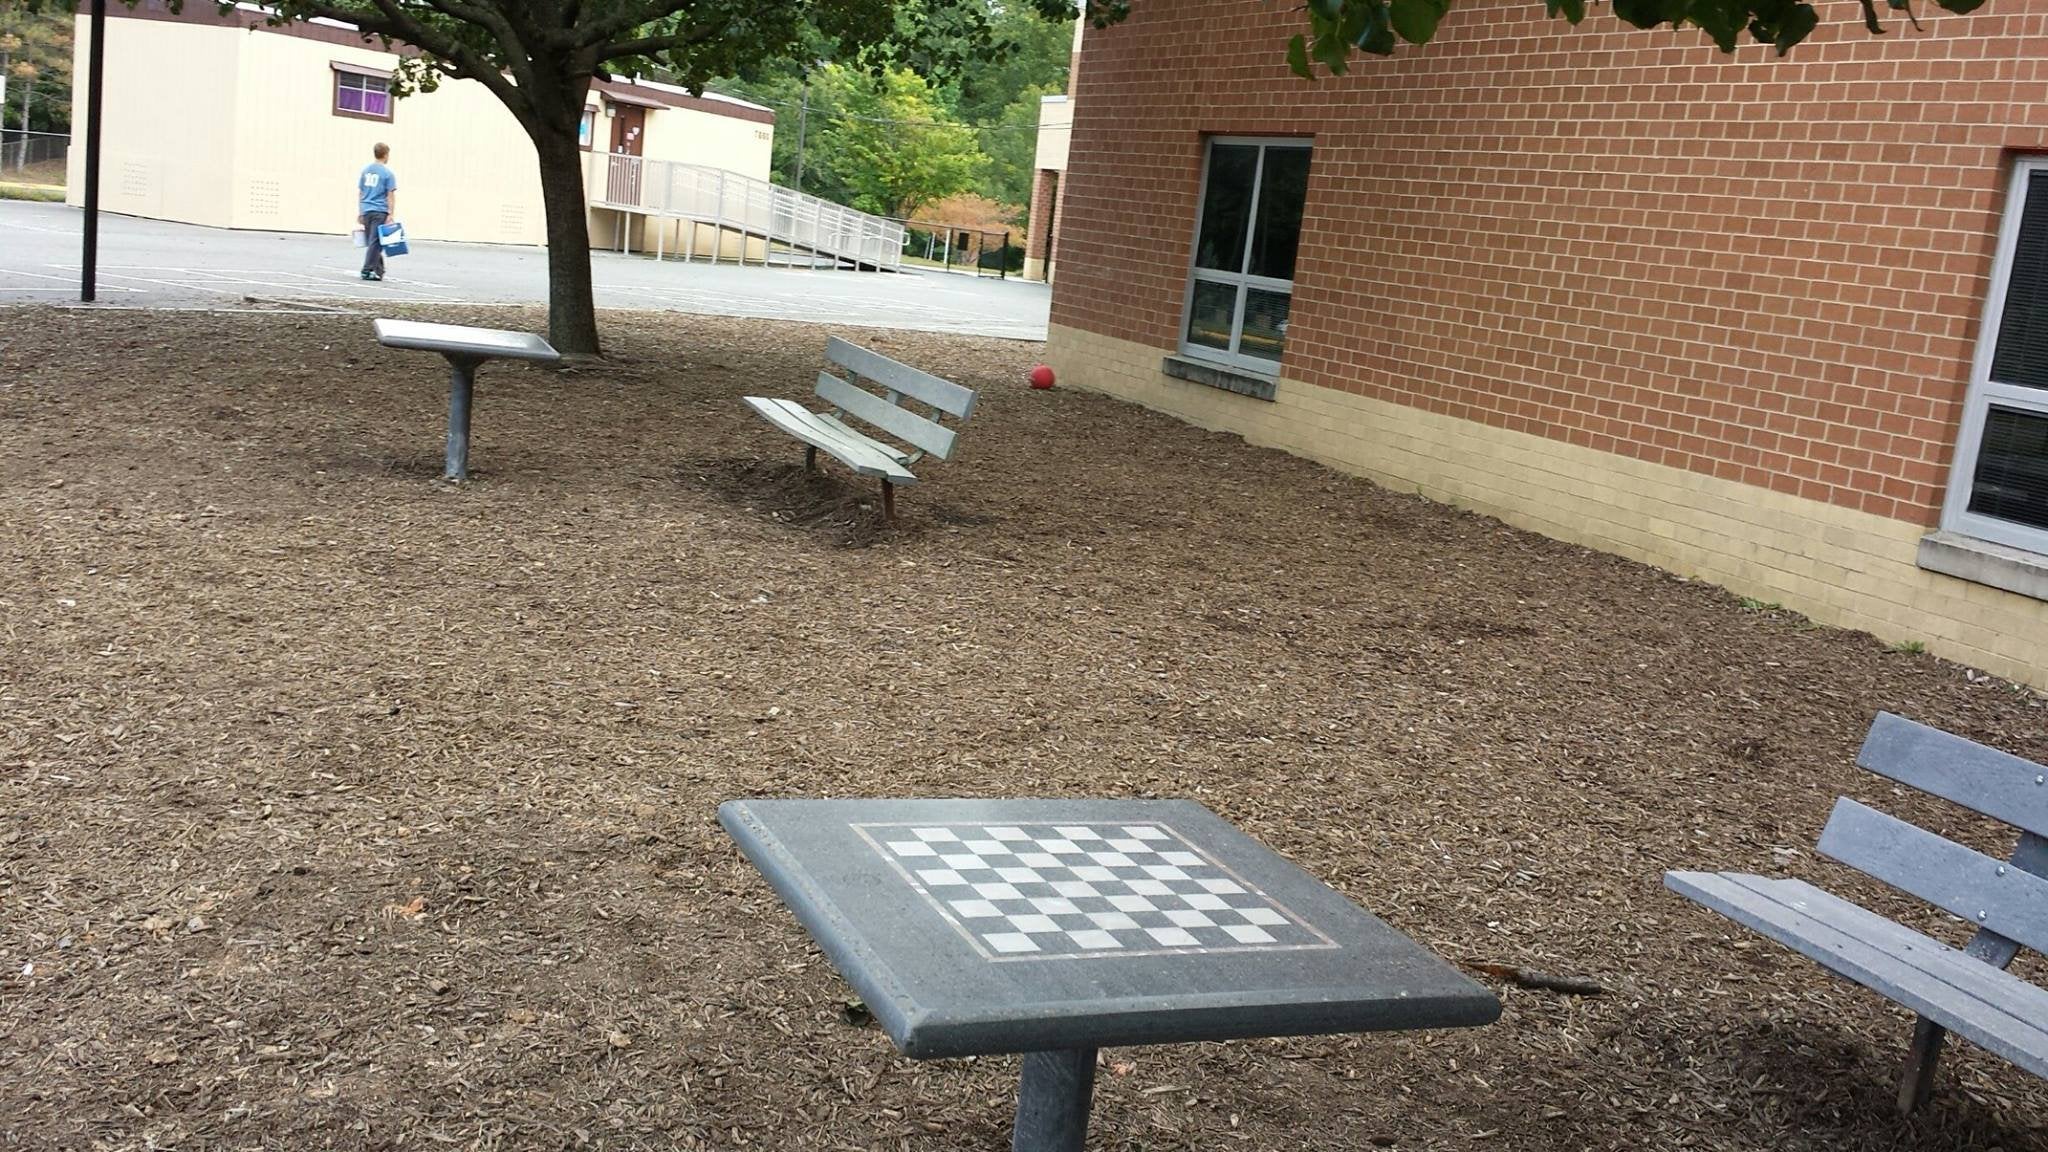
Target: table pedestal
461	387
1053	1099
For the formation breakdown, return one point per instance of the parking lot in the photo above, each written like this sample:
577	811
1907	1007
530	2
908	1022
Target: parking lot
161	264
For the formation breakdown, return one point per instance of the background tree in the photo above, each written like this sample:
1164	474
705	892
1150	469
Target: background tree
1012	147
35	52
989	80
894	145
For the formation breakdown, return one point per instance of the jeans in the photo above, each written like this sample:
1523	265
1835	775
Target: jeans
373	248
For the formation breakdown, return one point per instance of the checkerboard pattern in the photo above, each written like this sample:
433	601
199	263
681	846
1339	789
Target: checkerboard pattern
1037	890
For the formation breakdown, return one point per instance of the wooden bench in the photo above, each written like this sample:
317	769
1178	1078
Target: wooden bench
1966	991
863	453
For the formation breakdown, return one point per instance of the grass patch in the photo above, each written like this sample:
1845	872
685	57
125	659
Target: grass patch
44	192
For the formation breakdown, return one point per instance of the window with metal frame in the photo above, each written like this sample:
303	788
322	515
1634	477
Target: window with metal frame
1247	231
586	129
1998	486
362	93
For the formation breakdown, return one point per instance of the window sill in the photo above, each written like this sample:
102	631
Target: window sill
1980	562
1217	376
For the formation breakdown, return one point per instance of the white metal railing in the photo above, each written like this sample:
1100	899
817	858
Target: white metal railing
730	200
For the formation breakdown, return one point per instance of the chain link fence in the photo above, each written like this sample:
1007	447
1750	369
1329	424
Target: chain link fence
33	157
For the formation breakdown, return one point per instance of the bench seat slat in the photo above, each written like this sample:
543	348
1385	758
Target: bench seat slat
1991	1008
834	423
862	455
901	423
1965	772
1985	893
946	396
1979	978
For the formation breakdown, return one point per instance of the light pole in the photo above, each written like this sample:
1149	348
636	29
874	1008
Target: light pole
8	43
803	116
96	90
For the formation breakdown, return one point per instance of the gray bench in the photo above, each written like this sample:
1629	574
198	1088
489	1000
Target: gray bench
1966	991
865	454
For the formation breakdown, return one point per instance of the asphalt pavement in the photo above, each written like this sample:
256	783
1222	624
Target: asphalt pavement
156	263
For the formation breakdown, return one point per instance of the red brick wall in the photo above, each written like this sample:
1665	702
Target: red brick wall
1766	270
1039	226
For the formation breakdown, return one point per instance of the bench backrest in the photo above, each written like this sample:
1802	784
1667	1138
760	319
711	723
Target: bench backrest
899	382
2006	900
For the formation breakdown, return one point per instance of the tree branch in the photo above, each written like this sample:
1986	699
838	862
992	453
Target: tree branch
395	23
490	18
633	16
648	45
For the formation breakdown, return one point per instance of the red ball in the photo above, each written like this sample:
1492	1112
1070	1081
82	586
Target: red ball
1041	377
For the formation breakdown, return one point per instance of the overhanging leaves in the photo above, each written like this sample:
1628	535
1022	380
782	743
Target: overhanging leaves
1338	27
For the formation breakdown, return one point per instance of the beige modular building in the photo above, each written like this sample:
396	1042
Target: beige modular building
222	120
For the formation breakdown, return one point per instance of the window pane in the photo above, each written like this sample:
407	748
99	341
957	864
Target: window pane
2012	468
1226	206
377	103
2021	356
1282	190
583	128
1210	312
1265	324
350	99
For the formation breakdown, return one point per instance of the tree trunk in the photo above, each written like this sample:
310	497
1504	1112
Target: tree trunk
572	309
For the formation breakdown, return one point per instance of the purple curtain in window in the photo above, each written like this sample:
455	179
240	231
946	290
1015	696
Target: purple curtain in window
363	94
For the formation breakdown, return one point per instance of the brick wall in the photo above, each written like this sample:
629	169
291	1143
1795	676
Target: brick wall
1039	230
1768	272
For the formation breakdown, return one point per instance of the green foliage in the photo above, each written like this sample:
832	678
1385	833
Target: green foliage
1024	51
1336	28
1012	148
36	45
992	85
1910	647
893	145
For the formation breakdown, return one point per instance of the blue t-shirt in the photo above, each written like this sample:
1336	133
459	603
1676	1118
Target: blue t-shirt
374	187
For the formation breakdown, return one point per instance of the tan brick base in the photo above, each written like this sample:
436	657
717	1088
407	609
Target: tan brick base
1837	565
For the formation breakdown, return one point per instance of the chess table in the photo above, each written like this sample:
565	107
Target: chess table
464	348
1053	928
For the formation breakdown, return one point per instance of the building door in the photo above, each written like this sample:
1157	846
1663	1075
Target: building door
629	127
629	124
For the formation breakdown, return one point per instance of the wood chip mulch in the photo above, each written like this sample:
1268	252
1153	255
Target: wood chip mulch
342	808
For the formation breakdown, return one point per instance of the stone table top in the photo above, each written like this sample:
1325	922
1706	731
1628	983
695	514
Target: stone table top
461	340
989	926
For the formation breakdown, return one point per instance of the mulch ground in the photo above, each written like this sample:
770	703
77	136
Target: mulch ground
340	808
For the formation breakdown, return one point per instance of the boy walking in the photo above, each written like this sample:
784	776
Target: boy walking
376	202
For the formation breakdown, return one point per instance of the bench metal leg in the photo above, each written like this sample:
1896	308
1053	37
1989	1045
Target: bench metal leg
810	459
1918	1082
888	500
461	387
1053	1100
